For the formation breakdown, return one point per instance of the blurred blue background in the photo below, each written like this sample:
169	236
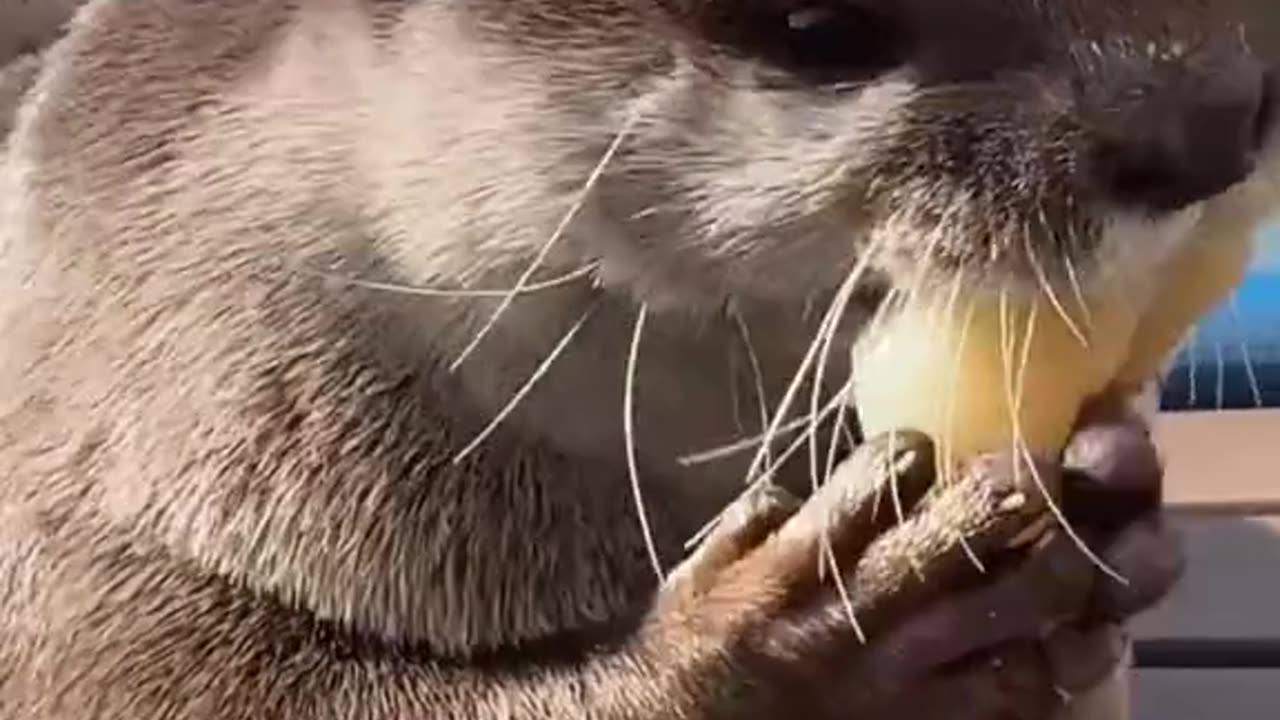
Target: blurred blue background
1212	370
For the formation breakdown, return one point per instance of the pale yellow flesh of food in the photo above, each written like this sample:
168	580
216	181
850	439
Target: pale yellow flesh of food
977	372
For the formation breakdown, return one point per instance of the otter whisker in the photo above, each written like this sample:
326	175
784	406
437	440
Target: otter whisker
1061	518
793	388
548	284
1193	361
842	589
970	554
895	495
735	401
944	458
1015	396
722	451
1220	379
913	293
833	405
850	282
1042	278
579	202
919	278
895	299
806	311
629	434
848	434
766	474
757	372
841	426
707	527
840	306
1255	387
524	389
1077	289
838	430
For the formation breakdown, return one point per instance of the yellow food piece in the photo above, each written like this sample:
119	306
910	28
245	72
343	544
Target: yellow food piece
1200	277
966	369
959	381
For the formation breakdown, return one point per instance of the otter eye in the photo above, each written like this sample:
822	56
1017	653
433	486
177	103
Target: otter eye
826	41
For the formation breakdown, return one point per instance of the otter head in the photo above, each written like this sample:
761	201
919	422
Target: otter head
771	143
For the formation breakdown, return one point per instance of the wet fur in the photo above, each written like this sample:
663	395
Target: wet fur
228	477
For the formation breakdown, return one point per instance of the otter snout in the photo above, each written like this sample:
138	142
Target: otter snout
1187	136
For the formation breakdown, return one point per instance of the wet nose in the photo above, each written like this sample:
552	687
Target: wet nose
1190	140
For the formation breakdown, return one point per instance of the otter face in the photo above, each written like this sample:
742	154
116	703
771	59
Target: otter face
775	141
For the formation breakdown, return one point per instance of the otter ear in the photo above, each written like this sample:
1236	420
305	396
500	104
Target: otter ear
820	41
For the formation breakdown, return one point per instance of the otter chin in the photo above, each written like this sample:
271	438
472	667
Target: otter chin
488	358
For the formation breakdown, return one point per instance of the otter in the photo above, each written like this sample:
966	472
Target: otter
15	79
30	25
359	354
26	28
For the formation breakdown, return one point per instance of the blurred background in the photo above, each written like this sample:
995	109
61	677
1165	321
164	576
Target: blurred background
1232	360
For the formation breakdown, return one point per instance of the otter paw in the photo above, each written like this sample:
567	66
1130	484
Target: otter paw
1112	491
832	607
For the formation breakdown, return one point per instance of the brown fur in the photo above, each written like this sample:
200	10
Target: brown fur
27	27
30	25
15	79
227	486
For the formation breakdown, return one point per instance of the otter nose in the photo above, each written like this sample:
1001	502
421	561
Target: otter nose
1189	141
